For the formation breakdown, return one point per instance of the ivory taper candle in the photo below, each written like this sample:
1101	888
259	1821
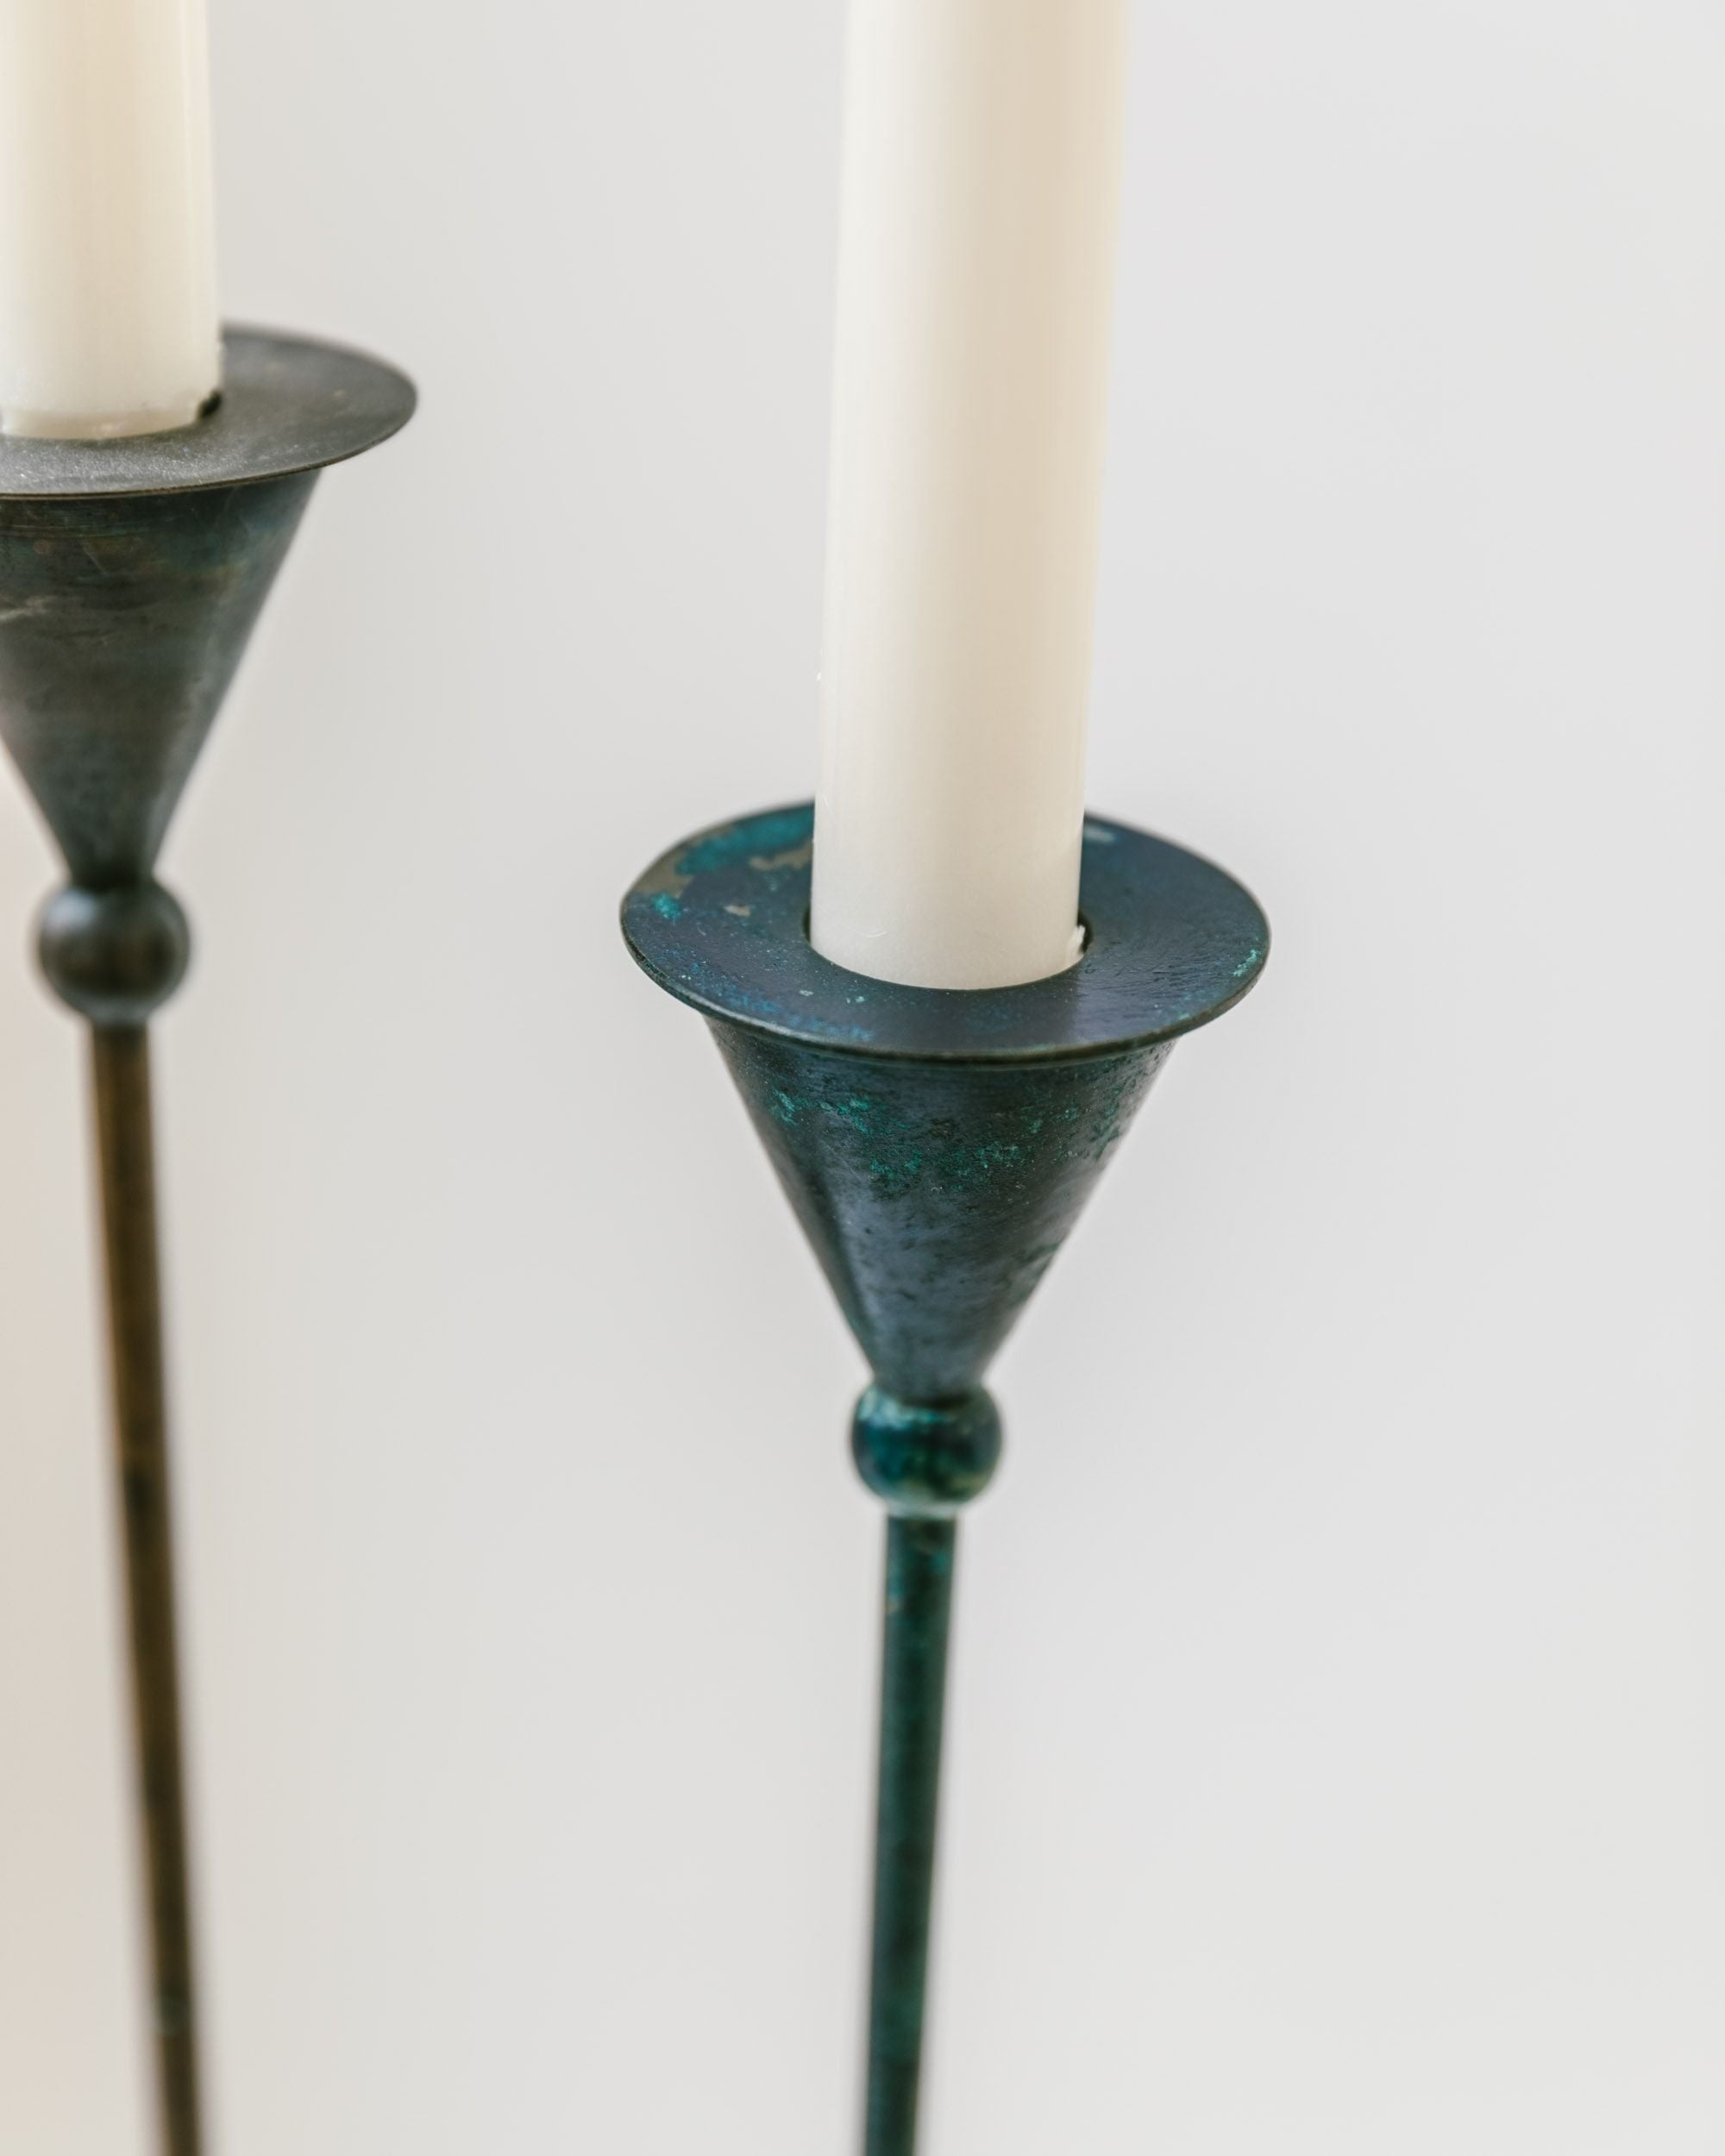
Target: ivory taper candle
980	202
108	321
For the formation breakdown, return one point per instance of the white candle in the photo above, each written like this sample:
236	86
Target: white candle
980	205
107	249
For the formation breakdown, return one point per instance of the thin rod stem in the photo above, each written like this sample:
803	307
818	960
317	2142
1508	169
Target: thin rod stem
919	1603
121	1064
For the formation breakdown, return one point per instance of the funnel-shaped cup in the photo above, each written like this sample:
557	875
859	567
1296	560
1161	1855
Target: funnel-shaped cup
132	573
938	1145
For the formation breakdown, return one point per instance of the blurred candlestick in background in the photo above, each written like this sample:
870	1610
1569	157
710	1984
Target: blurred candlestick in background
978	239
107	322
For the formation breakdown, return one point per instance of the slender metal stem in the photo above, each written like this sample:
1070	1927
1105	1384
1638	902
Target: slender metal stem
921	1554
126	1154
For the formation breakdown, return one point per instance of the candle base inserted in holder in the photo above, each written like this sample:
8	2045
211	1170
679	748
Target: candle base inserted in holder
131	574
937	1146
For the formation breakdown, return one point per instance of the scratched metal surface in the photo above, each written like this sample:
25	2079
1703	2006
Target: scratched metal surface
288	404
131	575
121	623
1174	941
938	1145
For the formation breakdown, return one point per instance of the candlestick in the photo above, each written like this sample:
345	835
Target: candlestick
938	1148
108	320
131	572
980	202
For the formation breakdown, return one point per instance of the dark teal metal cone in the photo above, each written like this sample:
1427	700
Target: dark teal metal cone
938	1145
133	572
120	626
935	1195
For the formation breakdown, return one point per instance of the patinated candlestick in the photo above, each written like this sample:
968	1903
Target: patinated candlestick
937	1146
131	574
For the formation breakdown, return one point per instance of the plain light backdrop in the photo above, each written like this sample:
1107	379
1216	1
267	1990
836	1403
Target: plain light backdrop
1338	1755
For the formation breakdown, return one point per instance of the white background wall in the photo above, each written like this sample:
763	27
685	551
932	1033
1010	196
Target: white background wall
1338	1760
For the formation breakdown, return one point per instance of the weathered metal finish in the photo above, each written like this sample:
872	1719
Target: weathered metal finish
920	1557
122	622
288	404
923	1463
935	1194
131	574
721	922
938	1147
125	1153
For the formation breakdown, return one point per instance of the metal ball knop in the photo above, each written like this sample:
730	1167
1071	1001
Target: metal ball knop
114	955
925	1459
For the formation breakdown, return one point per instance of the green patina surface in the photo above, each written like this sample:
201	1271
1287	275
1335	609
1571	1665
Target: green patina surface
938	1148
935	1195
